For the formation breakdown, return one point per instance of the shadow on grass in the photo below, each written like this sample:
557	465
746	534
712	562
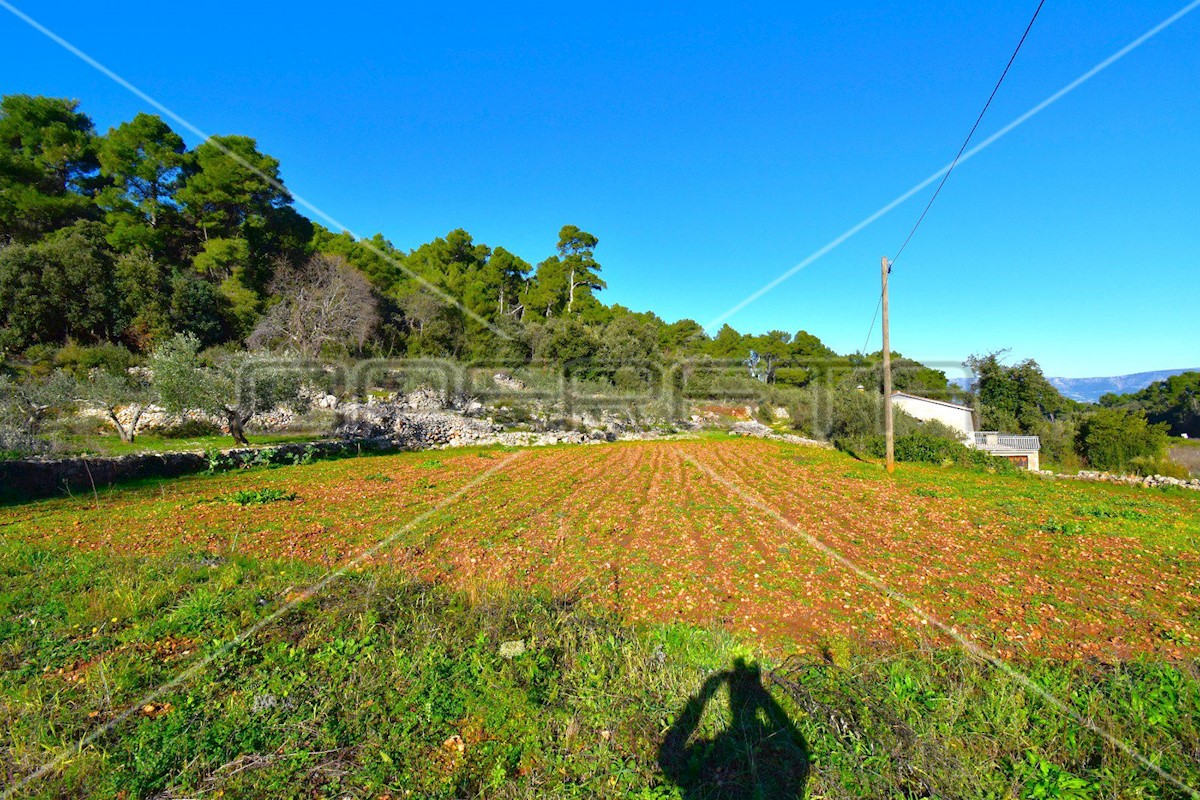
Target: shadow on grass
760	754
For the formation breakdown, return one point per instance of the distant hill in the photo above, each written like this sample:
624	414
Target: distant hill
1088	390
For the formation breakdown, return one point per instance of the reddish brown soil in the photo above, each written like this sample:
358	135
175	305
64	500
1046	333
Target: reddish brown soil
713	533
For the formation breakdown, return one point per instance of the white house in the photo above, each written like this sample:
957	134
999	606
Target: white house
961	418
1021	450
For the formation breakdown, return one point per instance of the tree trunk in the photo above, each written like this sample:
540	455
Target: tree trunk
135	421
571	293
237	425
125	435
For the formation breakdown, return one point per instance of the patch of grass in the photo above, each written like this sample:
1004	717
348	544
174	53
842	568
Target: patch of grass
111	445
1066	527
253	497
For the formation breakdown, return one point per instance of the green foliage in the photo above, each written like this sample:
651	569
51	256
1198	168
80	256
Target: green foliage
929	448
1111	439
187	429
80	360
61	287
254	497
1065	527
1015	399
47	164
143	161
856	416
1157	465
1174	401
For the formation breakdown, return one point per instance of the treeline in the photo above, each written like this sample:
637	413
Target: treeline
1174	402
1118	436
127	238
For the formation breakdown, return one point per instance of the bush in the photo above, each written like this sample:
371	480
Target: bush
1057	438
255	497
856	416
764	414
925	448
188	429
81	360
1113	439
1143	465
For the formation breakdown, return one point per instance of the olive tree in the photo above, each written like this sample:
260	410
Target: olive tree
25	405
235	387
114	391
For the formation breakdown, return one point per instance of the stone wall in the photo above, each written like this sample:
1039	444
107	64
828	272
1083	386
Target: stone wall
34	478
1149	481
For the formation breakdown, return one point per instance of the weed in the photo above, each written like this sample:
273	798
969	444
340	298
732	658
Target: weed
1067	527
1108	512
252	497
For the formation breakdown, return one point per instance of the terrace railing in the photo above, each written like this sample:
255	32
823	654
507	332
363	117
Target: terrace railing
991	440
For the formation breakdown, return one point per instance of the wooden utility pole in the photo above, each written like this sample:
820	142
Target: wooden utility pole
889	430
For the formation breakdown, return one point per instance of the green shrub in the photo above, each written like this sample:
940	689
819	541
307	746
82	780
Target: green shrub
1114	439
1160	465
928	449
79	360
856	416
188	429
255	497
764	414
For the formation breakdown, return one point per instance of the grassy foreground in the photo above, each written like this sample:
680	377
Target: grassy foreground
488	652
384	688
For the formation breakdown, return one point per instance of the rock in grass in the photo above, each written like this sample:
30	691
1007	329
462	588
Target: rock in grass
512	649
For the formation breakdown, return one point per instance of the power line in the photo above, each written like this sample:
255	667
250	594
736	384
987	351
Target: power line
874	317
958	156
974	128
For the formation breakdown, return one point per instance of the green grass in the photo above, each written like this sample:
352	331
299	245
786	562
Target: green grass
378	686
111	445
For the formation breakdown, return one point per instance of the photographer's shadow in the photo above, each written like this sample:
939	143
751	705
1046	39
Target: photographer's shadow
758	755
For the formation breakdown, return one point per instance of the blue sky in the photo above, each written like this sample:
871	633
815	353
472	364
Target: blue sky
713	148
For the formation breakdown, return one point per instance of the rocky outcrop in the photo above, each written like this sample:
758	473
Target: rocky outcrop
757	429
506	381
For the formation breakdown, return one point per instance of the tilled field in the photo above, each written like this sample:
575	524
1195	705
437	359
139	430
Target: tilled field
729	533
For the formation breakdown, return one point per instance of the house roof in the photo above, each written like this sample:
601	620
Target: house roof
931	400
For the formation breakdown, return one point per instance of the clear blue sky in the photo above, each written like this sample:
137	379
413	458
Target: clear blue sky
712	148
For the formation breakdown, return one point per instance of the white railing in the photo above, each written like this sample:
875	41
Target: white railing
991	440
